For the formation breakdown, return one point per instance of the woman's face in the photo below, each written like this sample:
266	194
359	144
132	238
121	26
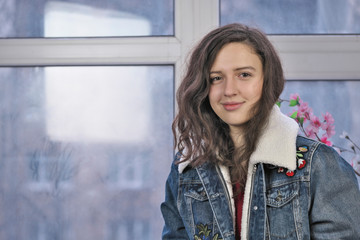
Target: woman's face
236	84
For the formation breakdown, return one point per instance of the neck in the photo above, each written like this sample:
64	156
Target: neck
237	136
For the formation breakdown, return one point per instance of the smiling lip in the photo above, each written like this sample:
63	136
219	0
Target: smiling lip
231	106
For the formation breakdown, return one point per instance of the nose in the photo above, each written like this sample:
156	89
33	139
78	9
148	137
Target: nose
230	87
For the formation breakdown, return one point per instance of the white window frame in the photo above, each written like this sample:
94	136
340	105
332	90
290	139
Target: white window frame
315	57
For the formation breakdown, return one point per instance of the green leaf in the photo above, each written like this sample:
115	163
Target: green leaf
200	226
293	116
293	102
203	230
278	103
301	121
216	237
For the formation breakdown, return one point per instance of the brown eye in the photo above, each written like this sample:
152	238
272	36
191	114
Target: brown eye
245	75
213	79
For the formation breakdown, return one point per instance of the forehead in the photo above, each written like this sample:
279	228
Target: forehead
237	54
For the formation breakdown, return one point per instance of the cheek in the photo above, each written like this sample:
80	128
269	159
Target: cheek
213	95
214	98
257	91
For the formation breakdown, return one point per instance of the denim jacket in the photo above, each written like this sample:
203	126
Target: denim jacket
306	191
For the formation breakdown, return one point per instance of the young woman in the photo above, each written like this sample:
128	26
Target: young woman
242	171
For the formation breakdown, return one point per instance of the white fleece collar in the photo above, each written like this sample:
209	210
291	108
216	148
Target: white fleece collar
276	146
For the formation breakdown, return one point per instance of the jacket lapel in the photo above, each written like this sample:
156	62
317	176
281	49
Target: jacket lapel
277	145
219	198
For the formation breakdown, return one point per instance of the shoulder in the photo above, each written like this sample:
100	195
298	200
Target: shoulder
178	169
327	159
324	164
182	170
308	144
320	155
334	192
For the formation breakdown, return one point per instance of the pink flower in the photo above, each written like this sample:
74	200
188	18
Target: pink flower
324	139
295	96
315	121
328	118
311	132
303	108
330	129
328	124
304	111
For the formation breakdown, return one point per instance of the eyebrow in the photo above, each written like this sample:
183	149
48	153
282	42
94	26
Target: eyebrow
237	69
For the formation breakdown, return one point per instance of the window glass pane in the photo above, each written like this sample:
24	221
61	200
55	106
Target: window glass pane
294	16
85	151
83	18
339	98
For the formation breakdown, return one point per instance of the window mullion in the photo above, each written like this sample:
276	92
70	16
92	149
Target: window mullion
193	19
149	50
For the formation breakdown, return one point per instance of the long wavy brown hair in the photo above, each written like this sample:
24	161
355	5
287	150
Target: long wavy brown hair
200	135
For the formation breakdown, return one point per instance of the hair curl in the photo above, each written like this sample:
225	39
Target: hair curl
200	135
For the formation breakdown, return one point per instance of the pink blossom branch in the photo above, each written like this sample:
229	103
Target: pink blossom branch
304	115
348	138
343	149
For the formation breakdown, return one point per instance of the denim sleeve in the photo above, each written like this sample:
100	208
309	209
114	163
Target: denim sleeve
335	197
174	227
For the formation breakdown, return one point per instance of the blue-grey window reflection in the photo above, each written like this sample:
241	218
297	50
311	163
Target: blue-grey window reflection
51	167
295	16
85	151
83	18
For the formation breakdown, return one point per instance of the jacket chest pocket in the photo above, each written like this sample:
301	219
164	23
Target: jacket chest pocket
196	208
282	211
